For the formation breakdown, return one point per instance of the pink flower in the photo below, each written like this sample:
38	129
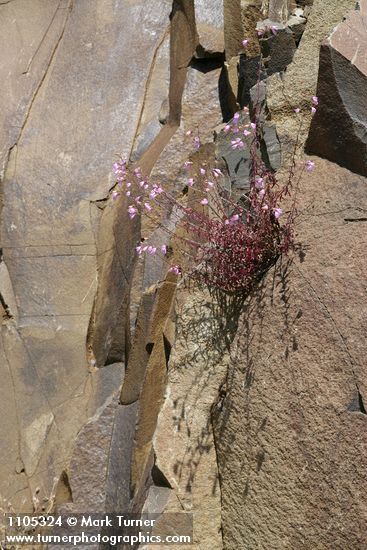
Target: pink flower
237	143
297	110
202	171
132	212
253	125
210	183
188	133
235	130
128	184
197	143
175	269
164	249
260	32
190	182
259	183
147	207
152	250
265	207
188	164
310	165
246	133
137	172
227	128
245	42
313	110
262	193
277	212
236	118
315	100
235	218
128	193
139	250
274	29
204	201
115	195
216	172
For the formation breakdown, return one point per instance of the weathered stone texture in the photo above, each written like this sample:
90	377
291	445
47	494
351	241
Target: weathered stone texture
339	128
183	440
71	98
291	435
299	83
209	25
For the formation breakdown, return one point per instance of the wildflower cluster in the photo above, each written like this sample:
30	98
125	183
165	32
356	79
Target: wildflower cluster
225	244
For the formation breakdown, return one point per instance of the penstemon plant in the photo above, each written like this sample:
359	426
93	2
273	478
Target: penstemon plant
226	243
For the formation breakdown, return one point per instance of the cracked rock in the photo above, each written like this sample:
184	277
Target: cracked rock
339	128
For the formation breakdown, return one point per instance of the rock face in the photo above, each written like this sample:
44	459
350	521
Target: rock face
291	431
61	130
341	91
298	84
129	389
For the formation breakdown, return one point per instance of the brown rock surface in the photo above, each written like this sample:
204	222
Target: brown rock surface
291	435
183	440
299	83
339	128
209	25
67	107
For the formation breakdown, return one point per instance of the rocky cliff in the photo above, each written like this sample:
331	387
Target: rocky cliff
123	389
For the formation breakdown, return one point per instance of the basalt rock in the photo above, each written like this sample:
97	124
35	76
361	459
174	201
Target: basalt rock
339	128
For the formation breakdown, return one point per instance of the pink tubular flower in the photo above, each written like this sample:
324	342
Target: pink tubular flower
227	128
202	171
128	193
190	182
210	184
274	29
253	125
297	110
188	164
310	165
237	143
197	143
115	195
245	42
236	118
188	133
259	183
277	212
175	269
139	250
204	201
262	193
260	32
152	250
315	100
216	172
132	212
137	172
313	110
164	249
147	207
246	133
